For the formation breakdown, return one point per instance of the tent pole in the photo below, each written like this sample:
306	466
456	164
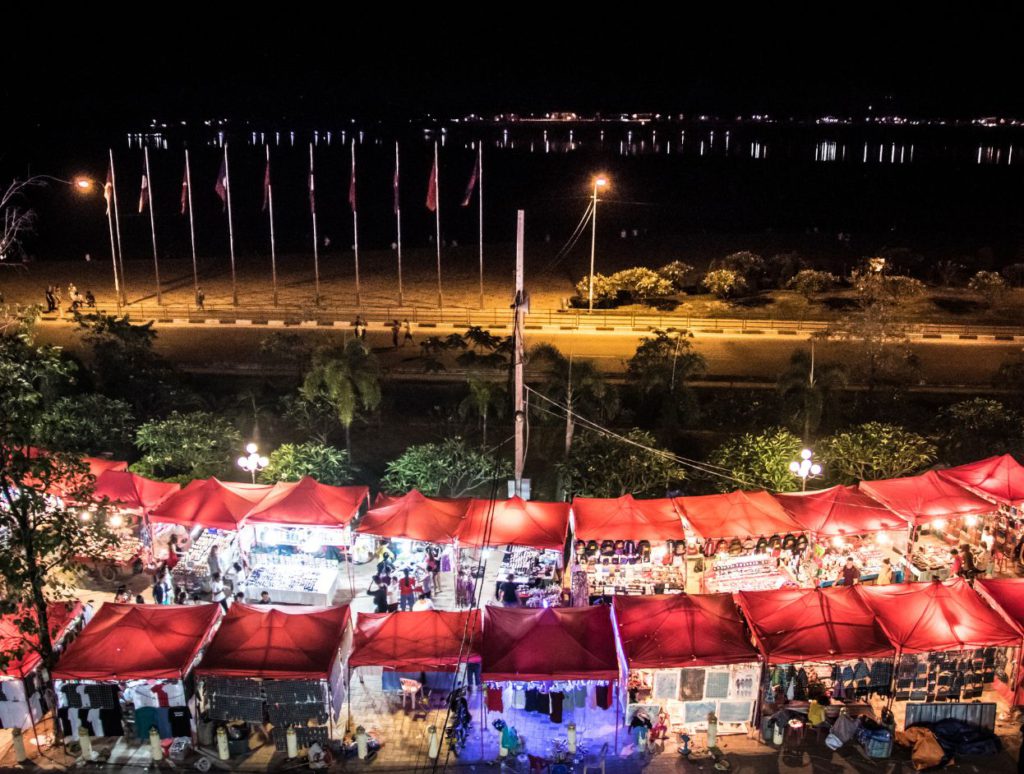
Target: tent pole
483	717
615	701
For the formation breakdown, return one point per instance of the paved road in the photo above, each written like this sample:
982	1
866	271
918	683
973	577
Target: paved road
943	361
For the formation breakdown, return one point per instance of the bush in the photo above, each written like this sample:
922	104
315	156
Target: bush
750	266
810	282
724	283
875	286
988	285
642	284
781	268
678	273
606	292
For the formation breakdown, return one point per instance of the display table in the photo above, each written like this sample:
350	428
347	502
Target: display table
192	572
640	578
754	572
290	584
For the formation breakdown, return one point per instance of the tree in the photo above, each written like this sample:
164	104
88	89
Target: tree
759	461
348	380
578	385
88	424
18	221
187	446
327	464
806	389
977	428
678	273
749	266
451	468
640	284
948	273
660	369
40	534
606	291
781	268
608	466
874	287
1014	274
724	283
486	397
989	285
810	282
872	451
879	351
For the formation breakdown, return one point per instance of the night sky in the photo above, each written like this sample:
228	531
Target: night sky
184	68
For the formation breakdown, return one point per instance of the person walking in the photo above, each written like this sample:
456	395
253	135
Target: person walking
850	573
408	332
884	574
394	595
217	593
159	591
90	299
379	591
406	590
200	299
394	334
361	327
508	592
51	302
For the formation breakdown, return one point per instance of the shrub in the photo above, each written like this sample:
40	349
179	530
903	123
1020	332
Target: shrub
641	284
989	285
724	283
678	273
810	282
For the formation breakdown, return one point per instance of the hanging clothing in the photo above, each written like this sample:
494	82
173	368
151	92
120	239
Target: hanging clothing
556	706
494	700
604	695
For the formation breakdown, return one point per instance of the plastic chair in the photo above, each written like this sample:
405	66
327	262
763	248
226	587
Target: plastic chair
411	690
596	760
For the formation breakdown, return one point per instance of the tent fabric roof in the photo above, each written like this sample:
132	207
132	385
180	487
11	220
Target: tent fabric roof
276	642
416	517
517	522
60	616
936	616
307	502
131	490
626	518
920	499
681	630
737	514
1006	595
996	478
210	502
429	640
792	625
138	642
99	465
839	511
555	643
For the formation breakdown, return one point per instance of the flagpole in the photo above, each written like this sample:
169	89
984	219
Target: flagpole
437	223
273	244
398	225
355	223
152	224
231	227
312	207
113	248
191	226
480	211
117	230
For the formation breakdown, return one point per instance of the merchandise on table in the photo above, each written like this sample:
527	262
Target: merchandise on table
756	572
192	572
293	584
645	578
529	563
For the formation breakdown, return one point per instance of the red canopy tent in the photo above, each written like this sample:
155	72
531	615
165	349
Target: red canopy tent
681	630
415	516
936	616
924	498
998	479
626	518
138	642
132	491
96	467
839	511
555	643
515	521
1006	595
308	503
276	642
100	465
737	514
428	640
12	639
210	502
792	625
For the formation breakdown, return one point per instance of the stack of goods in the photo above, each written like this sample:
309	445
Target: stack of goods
528	564
307	539
192	570
867	557
645	578
261	559
293	584
549	597
619	551
757	572
301	704
930	559
954	676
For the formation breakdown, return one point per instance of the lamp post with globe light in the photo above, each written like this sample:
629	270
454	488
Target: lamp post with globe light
253	462
805	468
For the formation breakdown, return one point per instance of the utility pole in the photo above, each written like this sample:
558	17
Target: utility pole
520	305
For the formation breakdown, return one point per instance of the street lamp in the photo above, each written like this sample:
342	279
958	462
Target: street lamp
599	182
253	462
805	468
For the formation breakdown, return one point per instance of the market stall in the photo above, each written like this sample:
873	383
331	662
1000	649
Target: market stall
949	642
281	665
844	522
750	542
300	532
626	546
130	670
943	516
1006	596
21	686
688	655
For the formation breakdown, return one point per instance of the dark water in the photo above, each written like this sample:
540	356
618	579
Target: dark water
941	189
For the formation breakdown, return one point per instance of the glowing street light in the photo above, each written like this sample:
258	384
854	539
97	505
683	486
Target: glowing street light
805	468
599	182
252	463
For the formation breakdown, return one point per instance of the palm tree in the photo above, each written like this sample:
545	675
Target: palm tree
806	388
576	384
348	380
486	396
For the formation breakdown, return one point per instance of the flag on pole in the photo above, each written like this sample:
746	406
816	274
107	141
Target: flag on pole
472	182
221	186
394	183
143	194
184	191
266	185
108	188
352	182
432	188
